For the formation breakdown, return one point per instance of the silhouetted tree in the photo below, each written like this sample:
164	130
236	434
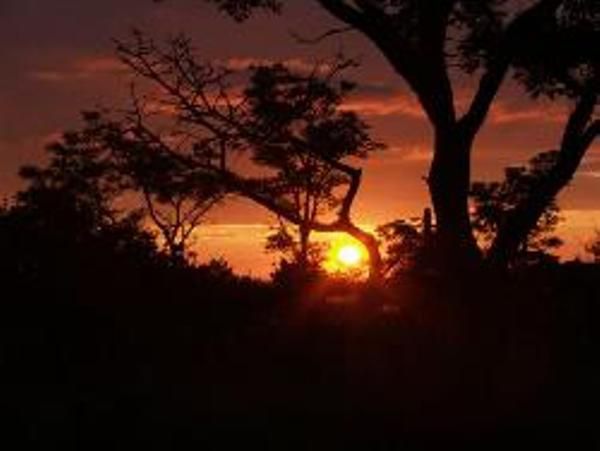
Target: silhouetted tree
145	183
560	62
594	248
408	244
494	202
295	247
287	127
52	227
177	216
430	45
81	169
175	201
304	149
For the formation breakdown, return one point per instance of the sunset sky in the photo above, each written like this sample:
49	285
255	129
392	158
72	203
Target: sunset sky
57	59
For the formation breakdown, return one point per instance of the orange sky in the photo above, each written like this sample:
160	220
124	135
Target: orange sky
56	59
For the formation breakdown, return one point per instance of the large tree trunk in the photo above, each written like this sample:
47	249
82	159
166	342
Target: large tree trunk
449	184
519	222
580	132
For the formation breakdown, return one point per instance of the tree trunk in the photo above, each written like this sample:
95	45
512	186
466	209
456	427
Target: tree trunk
449	184
519	222
580	132
371	244
304	246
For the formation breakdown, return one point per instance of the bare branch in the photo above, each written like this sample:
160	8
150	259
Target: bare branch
321	37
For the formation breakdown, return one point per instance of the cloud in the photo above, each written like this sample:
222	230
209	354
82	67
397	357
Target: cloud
245	63
80	69
241	64
502	113
417	154
393	105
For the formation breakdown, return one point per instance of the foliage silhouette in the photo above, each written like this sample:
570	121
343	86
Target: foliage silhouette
106	344
143	182
408	245
288	127
296	250
493	202
593	248
432	44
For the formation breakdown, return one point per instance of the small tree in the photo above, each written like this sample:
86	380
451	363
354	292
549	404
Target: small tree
296	250
594	248
408	244
175	201
493	202
147	185
288	128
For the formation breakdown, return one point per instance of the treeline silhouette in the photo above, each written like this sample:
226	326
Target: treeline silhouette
468	332
109	343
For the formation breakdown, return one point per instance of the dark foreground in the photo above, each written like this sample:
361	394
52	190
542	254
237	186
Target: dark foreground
101	356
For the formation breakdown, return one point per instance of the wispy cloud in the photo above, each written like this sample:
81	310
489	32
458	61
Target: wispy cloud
245	63
80	69
591	174
503	113
415	154
395	105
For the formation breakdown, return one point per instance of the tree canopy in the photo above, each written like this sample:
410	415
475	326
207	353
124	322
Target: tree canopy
546	45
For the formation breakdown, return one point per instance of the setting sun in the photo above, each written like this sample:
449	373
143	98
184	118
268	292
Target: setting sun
349	255
345	256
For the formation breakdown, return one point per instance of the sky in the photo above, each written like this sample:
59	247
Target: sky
57	58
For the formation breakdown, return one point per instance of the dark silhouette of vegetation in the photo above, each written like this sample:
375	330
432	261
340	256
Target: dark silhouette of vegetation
494	202
431	44
286	126
408	245
295	247
112	338
301	259
146	184
106	344
594	248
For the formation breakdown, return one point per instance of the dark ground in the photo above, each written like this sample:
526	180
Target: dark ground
105	347
233	365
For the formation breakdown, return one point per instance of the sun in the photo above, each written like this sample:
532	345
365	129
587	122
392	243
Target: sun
345	257
349	255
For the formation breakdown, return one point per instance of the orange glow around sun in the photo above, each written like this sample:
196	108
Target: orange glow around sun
345	256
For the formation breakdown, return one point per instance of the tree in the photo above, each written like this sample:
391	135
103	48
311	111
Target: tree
559	63
303	150
494	202
429	45
99	177
296	248
174	200
65	217
408	244
287	129
82	172
594	248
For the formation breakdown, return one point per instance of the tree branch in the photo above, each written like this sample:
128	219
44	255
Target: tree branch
345	12
491	81
321	37
592	132
579	118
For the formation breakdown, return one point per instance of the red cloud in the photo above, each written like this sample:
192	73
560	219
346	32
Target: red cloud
80	69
